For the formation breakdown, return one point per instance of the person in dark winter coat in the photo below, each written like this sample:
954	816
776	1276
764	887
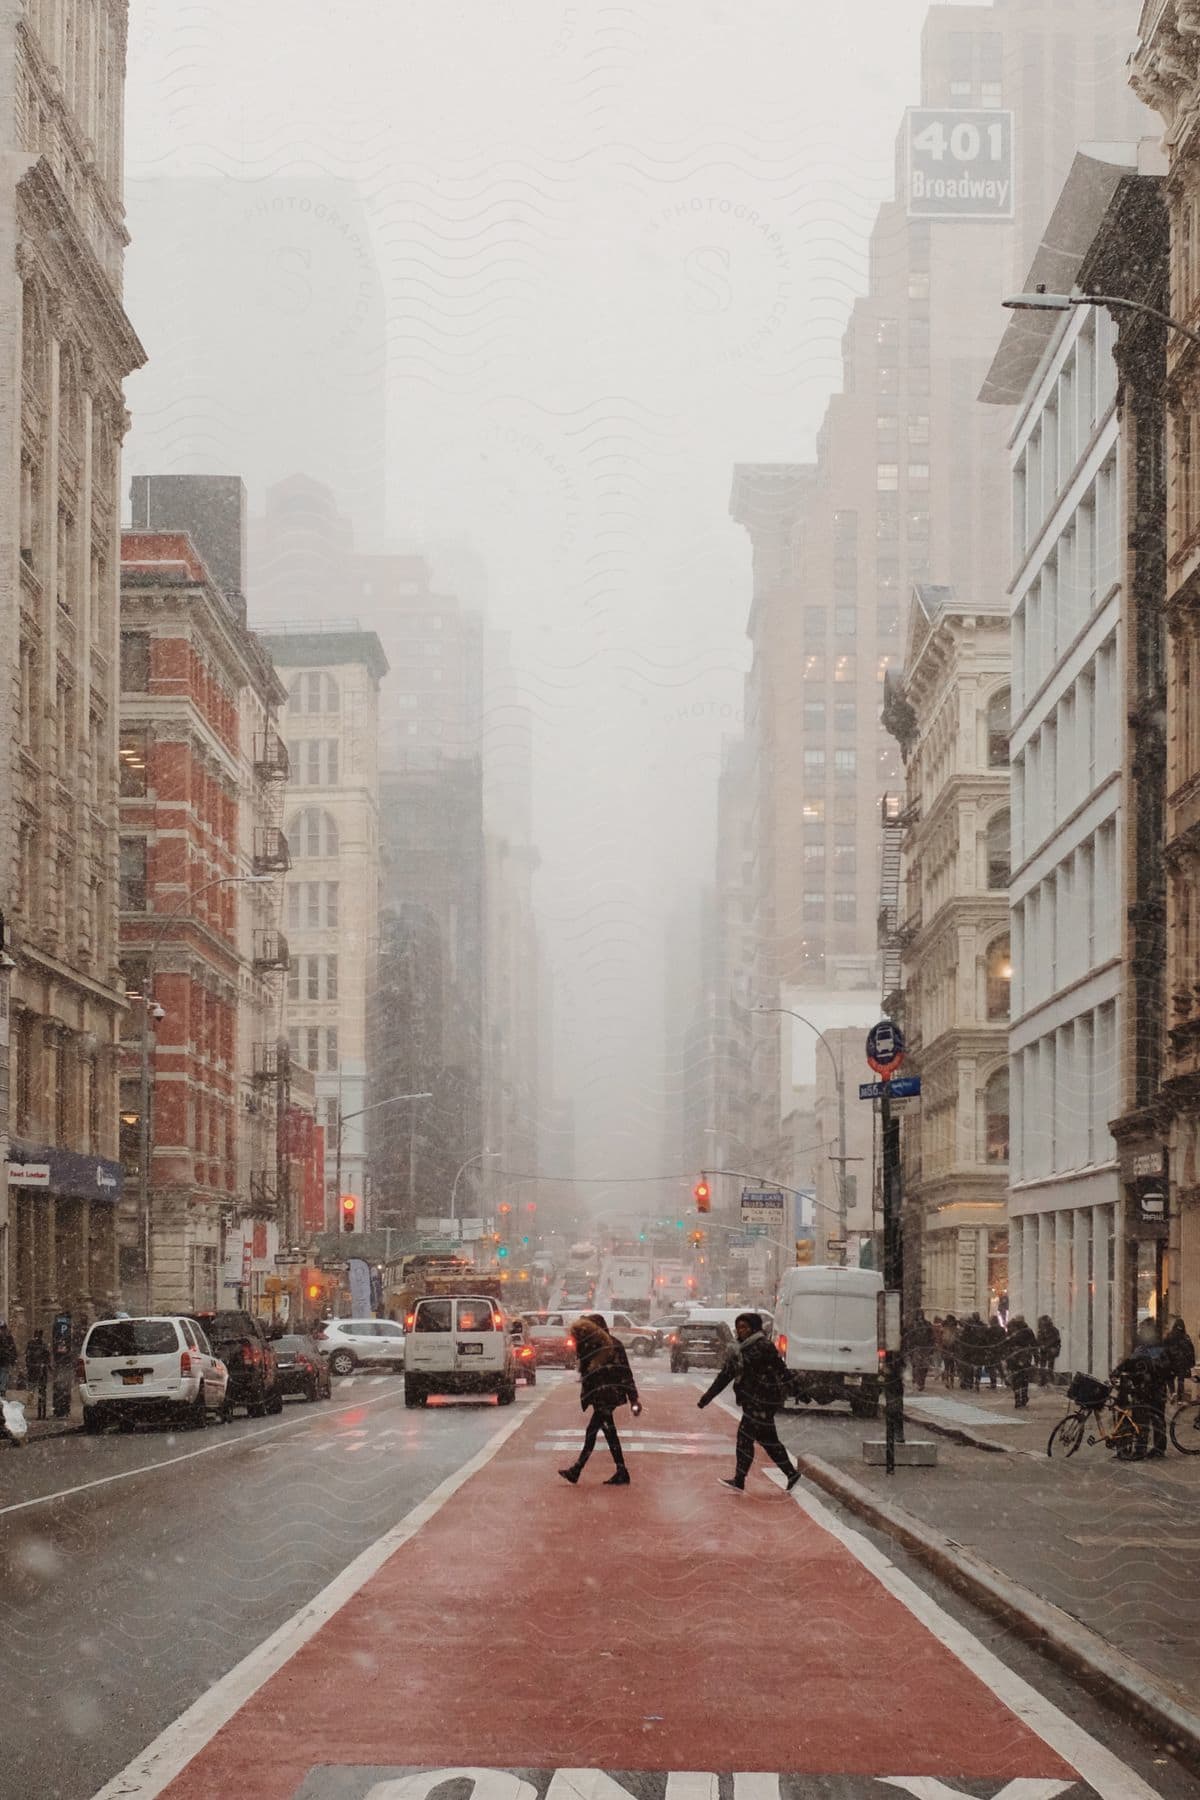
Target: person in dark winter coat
759	1377
1049	1348
995	1351
972	1351
919	1347
37	1369
1181	1354
1020	1354
605	1382
949	1350
1146	1378
9	1355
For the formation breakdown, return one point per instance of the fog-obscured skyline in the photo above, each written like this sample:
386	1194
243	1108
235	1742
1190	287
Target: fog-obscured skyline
616	251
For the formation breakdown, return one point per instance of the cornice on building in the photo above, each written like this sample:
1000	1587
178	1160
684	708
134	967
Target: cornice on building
73	269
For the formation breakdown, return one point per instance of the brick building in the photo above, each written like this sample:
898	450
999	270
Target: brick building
199	941
65	348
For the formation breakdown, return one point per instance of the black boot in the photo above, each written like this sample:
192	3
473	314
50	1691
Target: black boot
620	1479
572	1474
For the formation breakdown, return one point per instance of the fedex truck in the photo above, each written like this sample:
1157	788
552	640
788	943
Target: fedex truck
673	1286
626	1284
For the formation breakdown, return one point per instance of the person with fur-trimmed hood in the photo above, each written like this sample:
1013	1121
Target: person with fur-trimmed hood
759	1377
605	1382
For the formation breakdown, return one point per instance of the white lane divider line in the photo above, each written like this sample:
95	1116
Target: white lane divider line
166	1462
716	1448
160	1762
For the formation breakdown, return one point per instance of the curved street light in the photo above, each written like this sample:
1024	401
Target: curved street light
463	1167
839	1076
1040	301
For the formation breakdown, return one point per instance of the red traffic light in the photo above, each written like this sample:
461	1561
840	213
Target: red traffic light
504	1207
349	1211
702	1195
314	1291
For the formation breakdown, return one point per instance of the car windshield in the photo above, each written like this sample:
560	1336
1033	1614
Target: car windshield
133	1337
289	1345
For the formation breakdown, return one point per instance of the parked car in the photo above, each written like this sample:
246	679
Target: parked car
701	1344
639	1340
459	1345
524	1351
161	1366
354	1343
550	1335
241	1342
302	1368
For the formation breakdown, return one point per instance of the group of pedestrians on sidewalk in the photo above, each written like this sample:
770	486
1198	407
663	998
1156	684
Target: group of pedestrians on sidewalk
753	1367
967	1350
49	1367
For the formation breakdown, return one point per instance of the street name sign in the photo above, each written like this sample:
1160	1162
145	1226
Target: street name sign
904	1087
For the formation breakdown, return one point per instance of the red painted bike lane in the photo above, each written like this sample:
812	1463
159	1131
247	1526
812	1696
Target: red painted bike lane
670	1626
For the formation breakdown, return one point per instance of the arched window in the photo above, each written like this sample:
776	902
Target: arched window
999	723
999	978
995	1118
998	850
312	832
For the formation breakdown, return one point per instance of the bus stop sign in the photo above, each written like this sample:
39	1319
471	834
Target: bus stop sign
885	1047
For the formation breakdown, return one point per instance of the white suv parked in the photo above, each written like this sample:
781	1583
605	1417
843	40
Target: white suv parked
351	1342
131	1368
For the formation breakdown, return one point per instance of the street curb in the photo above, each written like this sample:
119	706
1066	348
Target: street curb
1113	1677
959	1434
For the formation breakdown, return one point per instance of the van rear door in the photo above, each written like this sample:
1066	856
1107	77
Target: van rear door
480	1340
830	1325
429	1346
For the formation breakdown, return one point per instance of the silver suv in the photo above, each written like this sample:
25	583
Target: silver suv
355	1343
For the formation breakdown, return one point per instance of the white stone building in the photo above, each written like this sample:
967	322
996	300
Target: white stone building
331	728
1067	1253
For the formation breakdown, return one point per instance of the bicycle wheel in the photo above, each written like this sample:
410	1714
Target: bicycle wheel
1067	1435
1185	1428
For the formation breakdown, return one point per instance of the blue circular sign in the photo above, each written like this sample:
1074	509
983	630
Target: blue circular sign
885	1046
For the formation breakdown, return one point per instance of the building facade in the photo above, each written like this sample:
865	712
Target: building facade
331	728
65	348
952	724
201	950
1166	74
1068	1249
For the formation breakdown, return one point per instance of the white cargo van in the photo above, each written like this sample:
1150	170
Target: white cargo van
459	1344
826	1332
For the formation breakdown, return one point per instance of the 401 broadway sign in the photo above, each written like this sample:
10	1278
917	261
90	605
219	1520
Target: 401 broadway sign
960	164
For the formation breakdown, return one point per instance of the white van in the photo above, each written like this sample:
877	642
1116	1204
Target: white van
827	1334
459	1344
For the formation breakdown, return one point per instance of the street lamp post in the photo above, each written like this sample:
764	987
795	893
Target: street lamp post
479	1156
152	1011
1040	301
839	1076
344	1119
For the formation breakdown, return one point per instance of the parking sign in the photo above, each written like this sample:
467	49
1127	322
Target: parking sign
960	164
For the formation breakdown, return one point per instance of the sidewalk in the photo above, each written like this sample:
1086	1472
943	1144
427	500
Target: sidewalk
48	1428
1112	1546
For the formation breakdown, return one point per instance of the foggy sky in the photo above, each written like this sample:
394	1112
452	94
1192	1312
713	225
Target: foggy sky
618	246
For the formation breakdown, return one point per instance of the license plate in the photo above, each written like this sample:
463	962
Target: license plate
133	1380
470	1349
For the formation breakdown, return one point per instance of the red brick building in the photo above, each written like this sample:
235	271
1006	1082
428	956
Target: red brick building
188	666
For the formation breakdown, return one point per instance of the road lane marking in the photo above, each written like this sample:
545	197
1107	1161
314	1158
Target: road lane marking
173	1749
167	1462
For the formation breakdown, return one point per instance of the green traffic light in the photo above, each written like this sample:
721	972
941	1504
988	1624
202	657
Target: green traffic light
503	1250
525	1240
679	1224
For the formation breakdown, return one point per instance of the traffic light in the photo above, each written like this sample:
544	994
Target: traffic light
503	1250
531	1206
525	1241
702	1195
349	1211
696	1237
641	1237
314	1290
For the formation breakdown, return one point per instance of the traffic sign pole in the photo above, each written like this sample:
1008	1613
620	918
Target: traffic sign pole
893	1275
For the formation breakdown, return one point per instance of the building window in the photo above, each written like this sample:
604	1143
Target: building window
887	332
815	619
133	875
814	904
134	740
331	977
812	810
888	621
999	979
312	986
845	908
814	716
995	1118
135	662
845	764
814	765
999	720
845	853
814	666
918	522
918	284
293	980
331	1048
845	715
313	832
887	425
918	428
998	848
918	476
814	860
293	905
887	477
331	903
312	1054
845	621
843	668
314	692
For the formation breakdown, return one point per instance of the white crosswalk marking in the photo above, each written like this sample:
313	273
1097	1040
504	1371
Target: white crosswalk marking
928	1787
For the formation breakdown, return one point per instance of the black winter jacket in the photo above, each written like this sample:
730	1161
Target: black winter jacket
759	1377
606	1379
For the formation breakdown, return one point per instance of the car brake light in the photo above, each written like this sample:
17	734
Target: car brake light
409	1321
185	1362
781	1343
80	1369
570	1343
250	1351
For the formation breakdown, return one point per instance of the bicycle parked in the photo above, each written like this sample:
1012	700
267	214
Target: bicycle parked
1092	1400
1184	1427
